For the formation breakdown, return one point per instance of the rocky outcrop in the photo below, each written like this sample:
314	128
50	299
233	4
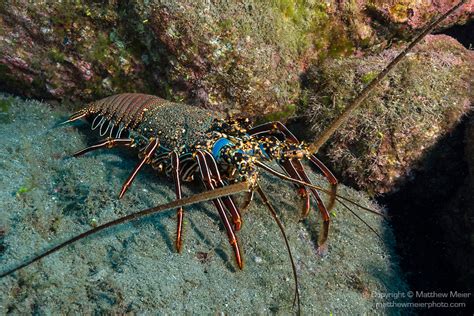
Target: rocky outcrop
245	57
420	101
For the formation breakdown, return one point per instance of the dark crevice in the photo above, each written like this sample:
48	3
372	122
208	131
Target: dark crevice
428	217
431	215
464	34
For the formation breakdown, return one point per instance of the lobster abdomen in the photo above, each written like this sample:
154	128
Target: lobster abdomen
174	124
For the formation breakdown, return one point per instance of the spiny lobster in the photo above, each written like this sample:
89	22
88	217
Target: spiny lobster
183	140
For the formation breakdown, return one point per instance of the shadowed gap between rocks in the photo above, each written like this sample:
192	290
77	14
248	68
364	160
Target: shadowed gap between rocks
430	216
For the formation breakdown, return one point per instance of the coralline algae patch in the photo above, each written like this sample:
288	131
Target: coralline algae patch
47	197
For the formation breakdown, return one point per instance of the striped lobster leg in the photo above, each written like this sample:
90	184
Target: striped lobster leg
290	170
147	154
209	182
175	166
107	143
277	127
271	128
323	236
227	200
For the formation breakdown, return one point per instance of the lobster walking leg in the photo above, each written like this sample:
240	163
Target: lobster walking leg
248	199
175	165
290	170
270	127
227	200
323	236
208	182
298	167
331	178
76	116
148	152
107	143
322	249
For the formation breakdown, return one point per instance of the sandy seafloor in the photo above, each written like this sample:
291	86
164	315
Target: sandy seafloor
46	198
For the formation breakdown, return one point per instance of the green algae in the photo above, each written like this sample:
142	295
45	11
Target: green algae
368	77
287	112
56	55
241	56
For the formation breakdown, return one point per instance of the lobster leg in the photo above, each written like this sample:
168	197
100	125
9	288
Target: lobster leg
290	170
322	249
296	165
107	143
329	176
227	200
268	128
323	236
76	116
148	152
248	199
175	165
208	182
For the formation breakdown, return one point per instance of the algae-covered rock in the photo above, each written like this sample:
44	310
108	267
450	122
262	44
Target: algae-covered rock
413	14
421	100
242	56
47	197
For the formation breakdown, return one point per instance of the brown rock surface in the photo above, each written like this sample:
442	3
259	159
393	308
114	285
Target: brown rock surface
420	101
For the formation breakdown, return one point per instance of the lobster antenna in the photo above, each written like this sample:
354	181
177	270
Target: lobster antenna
314	147
282	229
310	185
201	197
361	219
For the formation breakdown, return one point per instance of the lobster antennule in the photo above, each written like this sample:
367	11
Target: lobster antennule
270	207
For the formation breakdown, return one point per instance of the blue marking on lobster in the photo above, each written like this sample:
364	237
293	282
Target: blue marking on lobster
264	152
221	143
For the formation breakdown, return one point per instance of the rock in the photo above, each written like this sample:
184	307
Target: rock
458	233
416	14
432	215
421	100
244	57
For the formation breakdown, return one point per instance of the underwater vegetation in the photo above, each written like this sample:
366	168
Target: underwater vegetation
245	56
